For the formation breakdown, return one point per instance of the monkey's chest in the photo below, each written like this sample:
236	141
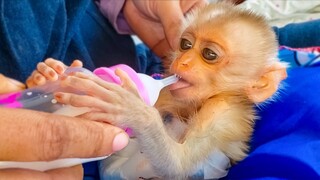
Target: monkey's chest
176	128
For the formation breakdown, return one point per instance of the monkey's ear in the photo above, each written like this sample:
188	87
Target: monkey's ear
268	83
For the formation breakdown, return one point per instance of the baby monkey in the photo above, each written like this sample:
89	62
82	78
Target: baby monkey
227	63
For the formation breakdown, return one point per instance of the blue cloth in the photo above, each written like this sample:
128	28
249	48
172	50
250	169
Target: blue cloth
149	63
299	57
285	143
299	35
286	140
33	30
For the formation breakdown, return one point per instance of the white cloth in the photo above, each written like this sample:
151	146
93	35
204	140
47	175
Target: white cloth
130	163
282	12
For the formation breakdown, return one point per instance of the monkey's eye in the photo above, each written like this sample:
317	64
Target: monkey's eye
208	54
185	44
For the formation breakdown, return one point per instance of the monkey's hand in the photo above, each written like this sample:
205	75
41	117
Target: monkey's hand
118	105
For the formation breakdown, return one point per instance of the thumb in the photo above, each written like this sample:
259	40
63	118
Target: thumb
171	17
38	136
8	85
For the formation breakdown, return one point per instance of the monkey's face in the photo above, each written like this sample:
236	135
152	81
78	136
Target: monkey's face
198	60
216	57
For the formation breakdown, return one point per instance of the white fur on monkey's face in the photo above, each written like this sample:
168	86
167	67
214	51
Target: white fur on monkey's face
222	51
196	60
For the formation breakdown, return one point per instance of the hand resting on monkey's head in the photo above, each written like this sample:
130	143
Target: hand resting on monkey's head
227	63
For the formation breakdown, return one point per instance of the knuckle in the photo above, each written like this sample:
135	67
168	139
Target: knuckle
85	84
73	100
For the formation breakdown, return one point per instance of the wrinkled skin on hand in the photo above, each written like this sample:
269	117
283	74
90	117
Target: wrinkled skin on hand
38	136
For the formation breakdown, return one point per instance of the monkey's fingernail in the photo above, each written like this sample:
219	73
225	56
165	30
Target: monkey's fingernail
58	96
120	141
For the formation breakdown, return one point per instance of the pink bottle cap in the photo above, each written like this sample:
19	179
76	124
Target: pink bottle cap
107	74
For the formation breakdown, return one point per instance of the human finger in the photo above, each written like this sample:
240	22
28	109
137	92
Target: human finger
8	85
176	9
48	72
36	79
76	63
38	136
56	65
83	101
171	16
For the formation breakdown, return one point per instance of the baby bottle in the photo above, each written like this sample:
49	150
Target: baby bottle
41	97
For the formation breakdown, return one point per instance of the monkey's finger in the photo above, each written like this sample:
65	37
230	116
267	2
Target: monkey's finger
101	117
91	88
84	101
126	81
107	85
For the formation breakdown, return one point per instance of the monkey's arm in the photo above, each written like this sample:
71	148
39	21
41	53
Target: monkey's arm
212	127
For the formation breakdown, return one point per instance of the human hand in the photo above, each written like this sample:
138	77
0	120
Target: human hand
38	136
49	70
8	85
109	102
157	23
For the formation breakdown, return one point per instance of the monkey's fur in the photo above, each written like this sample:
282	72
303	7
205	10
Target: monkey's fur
212	106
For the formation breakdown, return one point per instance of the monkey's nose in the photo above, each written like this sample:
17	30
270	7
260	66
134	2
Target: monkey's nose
183	66
179	66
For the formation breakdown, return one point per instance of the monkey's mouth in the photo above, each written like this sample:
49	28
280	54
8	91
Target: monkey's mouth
180	84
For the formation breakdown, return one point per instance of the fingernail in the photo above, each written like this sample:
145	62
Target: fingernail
120	141
52	74
38	78
58	96
59	69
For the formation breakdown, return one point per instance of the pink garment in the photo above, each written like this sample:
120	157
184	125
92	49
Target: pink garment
112	10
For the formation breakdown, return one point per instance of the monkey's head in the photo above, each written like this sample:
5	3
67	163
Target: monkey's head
226	50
